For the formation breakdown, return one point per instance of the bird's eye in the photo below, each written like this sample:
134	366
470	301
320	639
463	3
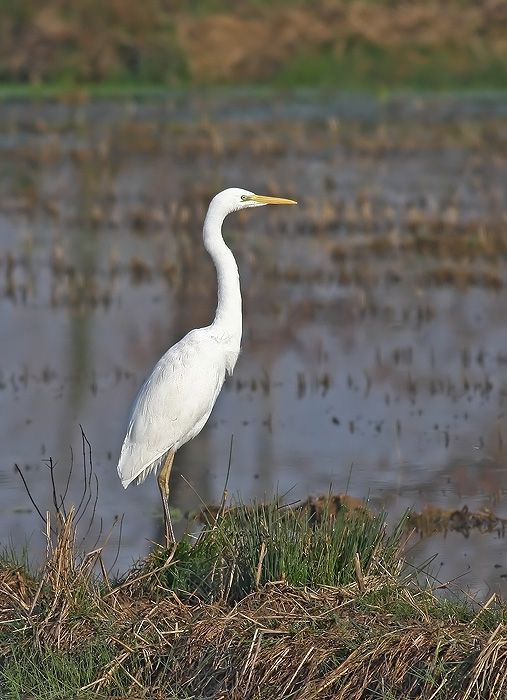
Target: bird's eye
244	197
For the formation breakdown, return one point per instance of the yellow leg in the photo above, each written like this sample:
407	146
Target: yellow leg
163	485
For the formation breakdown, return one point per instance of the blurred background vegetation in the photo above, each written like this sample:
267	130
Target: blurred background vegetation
352	44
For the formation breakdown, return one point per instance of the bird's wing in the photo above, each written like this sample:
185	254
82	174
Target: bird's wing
173	404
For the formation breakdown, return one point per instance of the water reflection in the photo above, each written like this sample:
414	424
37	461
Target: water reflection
375	315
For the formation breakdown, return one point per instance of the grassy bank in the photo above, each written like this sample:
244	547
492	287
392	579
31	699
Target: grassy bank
349	44
268	602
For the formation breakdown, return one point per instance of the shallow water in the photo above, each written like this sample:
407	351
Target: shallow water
375	346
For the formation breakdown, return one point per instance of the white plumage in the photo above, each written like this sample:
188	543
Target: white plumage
173	404
177	398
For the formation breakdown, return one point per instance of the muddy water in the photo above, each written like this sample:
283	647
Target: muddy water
375	348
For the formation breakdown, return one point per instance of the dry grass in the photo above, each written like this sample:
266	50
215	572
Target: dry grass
88	41
161	42
236	36
67	632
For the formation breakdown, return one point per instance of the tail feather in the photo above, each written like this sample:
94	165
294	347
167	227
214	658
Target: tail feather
135	464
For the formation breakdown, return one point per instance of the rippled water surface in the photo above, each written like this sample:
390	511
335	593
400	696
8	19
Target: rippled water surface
375	347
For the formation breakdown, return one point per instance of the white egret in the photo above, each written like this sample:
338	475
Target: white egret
177	398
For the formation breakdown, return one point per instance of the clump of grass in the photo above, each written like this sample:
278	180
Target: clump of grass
248	547
268	602
52	675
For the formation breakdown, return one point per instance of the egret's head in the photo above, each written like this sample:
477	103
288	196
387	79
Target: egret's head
235	198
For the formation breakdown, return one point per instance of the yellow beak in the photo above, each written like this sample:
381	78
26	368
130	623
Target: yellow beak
271	200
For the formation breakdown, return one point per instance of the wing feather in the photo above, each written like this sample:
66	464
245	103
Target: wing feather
173	404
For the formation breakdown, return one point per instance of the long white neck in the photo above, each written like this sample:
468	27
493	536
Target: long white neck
227	320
